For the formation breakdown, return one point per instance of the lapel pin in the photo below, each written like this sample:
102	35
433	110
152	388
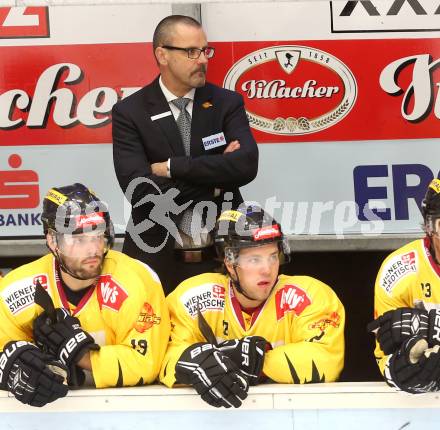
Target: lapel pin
207	105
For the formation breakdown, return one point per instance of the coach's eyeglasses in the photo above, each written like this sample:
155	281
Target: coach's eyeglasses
194	53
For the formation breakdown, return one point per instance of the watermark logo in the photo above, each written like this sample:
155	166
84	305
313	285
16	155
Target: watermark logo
161	209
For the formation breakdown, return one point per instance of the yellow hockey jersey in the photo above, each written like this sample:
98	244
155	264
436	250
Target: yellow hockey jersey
302	319
409	277
125	312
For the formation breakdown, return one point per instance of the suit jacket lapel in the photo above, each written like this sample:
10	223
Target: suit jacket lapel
156	104
202	119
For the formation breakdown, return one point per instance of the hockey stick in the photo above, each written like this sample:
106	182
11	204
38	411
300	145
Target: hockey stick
43	299
205	328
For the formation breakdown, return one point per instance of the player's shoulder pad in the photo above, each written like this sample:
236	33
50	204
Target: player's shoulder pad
302	292
124	281
120	263
290	296
306	283
205	292
17	288
399	265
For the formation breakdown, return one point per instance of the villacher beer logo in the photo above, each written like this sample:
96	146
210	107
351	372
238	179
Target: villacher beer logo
293	90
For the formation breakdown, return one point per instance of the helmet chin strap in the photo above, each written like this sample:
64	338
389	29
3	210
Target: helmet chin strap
237	284
64	268
432	249
238	287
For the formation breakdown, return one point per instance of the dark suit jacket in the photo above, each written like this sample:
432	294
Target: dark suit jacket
139	141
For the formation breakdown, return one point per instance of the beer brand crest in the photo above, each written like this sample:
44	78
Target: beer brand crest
313	89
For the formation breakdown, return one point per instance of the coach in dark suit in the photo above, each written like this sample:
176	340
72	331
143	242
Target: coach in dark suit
177	142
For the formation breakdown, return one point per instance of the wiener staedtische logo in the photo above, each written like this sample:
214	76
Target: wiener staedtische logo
309	90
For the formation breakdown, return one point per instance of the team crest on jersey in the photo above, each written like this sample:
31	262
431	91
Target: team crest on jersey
146	319
110	294
333	320
19	295
396	269
204	297
291	298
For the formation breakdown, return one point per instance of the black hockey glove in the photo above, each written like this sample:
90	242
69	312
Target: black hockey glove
414	368
396	326
31	376
247	354
64	339
213	375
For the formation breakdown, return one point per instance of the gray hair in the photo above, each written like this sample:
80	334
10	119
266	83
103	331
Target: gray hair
164	30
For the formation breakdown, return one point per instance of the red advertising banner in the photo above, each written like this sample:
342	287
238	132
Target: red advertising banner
64	94
294	91
24	22
335	90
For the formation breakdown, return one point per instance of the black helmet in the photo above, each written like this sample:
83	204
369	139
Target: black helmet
74	209
431	206
246	227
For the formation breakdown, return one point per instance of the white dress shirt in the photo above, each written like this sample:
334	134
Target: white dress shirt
205	238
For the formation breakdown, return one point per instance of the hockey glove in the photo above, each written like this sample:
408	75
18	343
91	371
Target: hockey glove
64	339
247	354
396	326
414	368
31	376
213	375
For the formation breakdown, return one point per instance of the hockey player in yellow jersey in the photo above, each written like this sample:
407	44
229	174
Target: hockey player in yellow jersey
406	307
250	324
81	310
